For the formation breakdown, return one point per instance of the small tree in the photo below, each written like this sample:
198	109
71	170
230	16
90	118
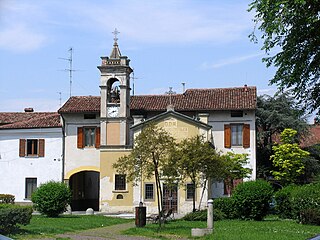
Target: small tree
196	160
287	158
234	167
151	152
52	198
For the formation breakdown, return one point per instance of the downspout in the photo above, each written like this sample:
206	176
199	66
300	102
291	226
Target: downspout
63	146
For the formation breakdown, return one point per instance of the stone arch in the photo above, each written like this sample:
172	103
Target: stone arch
85	187
113	90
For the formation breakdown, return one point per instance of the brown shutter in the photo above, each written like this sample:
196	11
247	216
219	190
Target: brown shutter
97	137
22	148
227	136
41	148
80	137
246	135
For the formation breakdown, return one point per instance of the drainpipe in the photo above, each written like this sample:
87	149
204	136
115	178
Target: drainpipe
63	146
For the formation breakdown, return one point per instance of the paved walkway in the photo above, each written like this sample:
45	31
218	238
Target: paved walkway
110	232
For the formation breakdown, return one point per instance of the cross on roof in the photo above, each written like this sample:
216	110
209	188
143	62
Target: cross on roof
170	92
115	33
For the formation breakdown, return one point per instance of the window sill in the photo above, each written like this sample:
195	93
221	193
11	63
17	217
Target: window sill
120	191
149	200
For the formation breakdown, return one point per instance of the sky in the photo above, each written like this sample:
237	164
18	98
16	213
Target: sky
203	43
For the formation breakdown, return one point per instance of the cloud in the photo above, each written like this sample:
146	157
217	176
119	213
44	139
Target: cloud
19	26
267	91
19	38
230	61
169	21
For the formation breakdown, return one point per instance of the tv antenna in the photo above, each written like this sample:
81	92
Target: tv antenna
133	78
60	99
70	69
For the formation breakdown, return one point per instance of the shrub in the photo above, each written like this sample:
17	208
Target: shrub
252	199
7	198
226	206
202	215
305	200
11	215
52	198
283	205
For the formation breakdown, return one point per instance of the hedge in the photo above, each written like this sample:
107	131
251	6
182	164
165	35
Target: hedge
11	215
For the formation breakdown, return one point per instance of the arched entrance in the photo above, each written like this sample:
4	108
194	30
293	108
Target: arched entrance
85	187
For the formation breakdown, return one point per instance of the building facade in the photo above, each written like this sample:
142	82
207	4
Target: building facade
99	130
30	152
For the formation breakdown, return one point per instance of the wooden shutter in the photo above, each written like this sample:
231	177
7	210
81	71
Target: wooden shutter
80	137
97	144
41	148
246	135
22	148
227	136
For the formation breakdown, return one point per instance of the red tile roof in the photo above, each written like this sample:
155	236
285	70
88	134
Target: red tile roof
313	136
241	98
19	120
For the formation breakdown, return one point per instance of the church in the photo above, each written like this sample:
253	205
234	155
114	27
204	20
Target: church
97	130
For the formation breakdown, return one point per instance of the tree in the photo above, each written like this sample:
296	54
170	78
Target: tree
234	167
292	28
273	115
151	152
287	158
196	161
52	198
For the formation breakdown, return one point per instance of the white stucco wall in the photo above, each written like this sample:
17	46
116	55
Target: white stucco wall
14	169
218	119
78	158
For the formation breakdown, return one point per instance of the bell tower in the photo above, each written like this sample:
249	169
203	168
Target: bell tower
115	98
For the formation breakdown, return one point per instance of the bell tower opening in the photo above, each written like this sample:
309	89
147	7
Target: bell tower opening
113	90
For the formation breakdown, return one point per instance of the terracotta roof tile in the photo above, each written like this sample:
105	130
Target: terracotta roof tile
29	120
192	100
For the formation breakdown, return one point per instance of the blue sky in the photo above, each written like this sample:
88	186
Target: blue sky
202	43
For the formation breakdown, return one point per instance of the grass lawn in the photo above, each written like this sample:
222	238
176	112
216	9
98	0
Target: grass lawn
268	229
41	226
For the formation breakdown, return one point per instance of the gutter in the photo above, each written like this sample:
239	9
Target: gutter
63	146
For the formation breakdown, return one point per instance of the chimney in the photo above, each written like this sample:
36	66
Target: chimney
246	88
28	110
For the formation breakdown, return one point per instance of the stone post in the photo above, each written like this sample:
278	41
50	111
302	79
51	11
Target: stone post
210	214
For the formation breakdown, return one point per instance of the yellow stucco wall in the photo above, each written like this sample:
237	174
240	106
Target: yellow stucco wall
108	202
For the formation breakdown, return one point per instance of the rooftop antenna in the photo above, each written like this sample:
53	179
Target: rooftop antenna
60	98
133	78
70	69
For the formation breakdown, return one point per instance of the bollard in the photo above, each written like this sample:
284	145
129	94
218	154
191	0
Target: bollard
210	214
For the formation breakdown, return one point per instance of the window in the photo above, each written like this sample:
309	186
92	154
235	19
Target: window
149	191
31	148
236	113
189	191
88	137
31	186
237	135
89	116
120	182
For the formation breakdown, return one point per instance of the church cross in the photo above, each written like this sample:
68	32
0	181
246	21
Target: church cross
170	92
115	33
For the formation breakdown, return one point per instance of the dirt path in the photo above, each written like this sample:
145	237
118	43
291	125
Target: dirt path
110	232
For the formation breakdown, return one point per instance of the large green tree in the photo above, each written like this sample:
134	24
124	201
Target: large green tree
149	157
196	160
291	34
288	158
274	114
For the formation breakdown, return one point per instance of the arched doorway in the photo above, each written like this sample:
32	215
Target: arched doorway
85	187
